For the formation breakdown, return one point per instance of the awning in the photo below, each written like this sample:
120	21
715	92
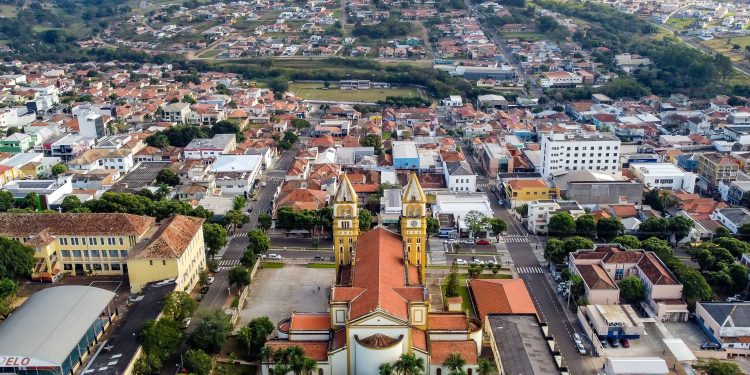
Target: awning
679	350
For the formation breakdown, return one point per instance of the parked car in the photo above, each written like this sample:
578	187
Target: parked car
476	262
318	258
461	262
204	290
625	343
186	322
577	339
491	263
735	298
614	343
210	280
466	242
274	256
604	344
482	242
450	240
581	349
710	346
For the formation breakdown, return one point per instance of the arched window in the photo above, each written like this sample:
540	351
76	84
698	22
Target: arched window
320	371
469	371
439	371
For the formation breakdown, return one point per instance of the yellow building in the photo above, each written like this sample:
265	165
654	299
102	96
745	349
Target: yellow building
345	223
414	223
172	250
8	174
71	243
521	191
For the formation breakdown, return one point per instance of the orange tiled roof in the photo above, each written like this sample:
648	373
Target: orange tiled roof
317	350
311	322
439	351
527	184
501	296
171	239
24	225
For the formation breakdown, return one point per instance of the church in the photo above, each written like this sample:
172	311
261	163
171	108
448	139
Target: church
379	306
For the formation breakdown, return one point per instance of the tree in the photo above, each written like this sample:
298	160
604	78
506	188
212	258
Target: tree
738	273
70	203
608	228
586	226
248	259
576	285
239	202
718	367
179	306
680	227
486	367
630	242
654	227
455	364
733	245
475	222
203	278
197	362
451	281
561	224
372	140
279	86
160	338
652	199
554	250
239	275
497	225
259	242
576	243
212	332
386	369
234	218
58	169
264	221
8	290
722	232
409	364
215	237
12	130
695	287
433	226
631	289
167	176
661	247
7	201
16	259
365	220
288	140
254	334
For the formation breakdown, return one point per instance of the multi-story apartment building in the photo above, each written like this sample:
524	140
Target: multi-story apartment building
202	148
562	153
76	243
495	159
715	168
176	112
541	211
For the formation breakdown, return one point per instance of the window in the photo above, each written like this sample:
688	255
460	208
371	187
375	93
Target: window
150	262
97	266
92	240
76	253
83	240
110	241
95	253
122	242
619	273
64	241
113	253
115	266
65	253
123	253
163	262
74	241
68	267
86	253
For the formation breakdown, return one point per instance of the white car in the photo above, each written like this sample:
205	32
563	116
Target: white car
210	280
461	262
491	263
274	256
577	339
450	240
476	262
186	322
581	349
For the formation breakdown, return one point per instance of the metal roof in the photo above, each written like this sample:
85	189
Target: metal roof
49	325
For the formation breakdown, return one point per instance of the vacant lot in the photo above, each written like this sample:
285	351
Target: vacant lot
681	23
316	91
724	46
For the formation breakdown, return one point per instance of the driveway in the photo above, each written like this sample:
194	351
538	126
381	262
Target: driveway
276	292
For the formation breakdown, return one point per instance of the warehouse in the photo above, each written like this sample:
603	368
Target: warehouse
54	330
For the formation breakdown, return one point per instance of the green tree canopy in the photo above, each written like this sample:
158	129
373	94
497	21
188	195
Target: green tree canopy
630	242
631	289
212	332
197	362
608	228
160	338
365	220
654	227
16	259
259	241
179	306
215	237
736	247
168	177
586	226
239	276
561	224
264	221
58	169
718	367
70	203
254	334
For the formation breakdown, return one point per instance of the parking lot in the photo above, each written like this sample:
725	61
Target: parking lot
276	292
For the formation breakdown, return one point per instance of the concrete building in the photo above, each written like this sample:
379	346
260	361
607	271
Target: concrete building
50	192
727	323
613	321
635	366
542	210
562	153
663	176
172	250
560	79
17	143
405	155
54	330
76	244
459	176
91	125
602	268
521	191
592	188
716	168
457	206
738	133
495	159
176	112
236	174
732	217
208	149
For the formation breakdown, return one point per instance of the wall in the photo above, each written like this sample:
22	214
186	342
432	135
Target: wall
603	192
144	271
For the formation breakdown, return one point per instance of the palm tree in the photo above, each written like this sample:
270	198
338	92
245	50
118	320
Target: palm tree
667	199
455	364
280	369
309	365
386	369
409	364
266	355
486	367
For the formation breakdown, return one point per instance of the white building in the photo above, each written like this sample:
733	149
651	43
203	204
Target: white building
458	205
459	176
727	322
732	217
562	153
541	211
176	112
236	174
91	125
453	101
202	148
664	176
738	133
560	79
635	366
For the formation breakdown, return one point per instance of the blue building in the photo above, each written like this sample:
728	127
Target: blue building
405	155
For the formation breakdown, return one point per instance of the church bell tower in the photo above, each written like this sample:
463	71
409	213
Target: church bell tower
414	224
345	223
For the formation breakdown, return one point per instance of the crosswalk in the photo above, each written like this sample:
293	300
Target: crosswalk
240	234
229	262
514	239
279	170
529	269
274	178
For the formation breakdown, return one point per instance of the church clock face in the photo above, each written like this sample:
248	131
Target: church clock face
414	223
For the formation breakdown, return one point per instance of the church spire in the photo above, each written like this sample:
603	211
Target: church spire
413	192
345	224
414	224
345	193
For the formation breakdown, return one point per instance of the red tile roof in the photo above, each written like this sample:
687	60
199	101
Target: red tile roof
500	296
171	239
310	322
439	351
595	277
317	350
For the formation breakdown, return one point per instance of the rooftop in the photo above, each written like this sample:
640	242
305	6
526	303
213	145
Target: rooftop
500	296
218	142
721	311
73	224
659	169
28	330
522	344
170	240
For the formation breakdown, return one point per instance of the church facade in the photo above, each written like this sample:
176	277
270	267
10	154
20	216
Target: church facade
379	306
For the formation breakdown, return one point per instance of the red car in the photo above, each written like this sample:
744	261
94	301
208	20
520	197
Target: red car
625	343
482	242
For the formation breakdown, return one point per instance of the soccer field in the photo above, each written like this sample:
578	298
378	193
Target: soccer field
316	91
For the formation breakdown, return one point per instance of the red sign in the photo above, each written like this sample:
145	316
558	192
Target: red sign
13	361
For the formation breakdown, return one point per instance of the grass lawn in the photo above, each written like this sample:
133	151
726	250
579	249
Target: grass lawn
724	46
321	265
315	91
272	265
680	23
210	53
